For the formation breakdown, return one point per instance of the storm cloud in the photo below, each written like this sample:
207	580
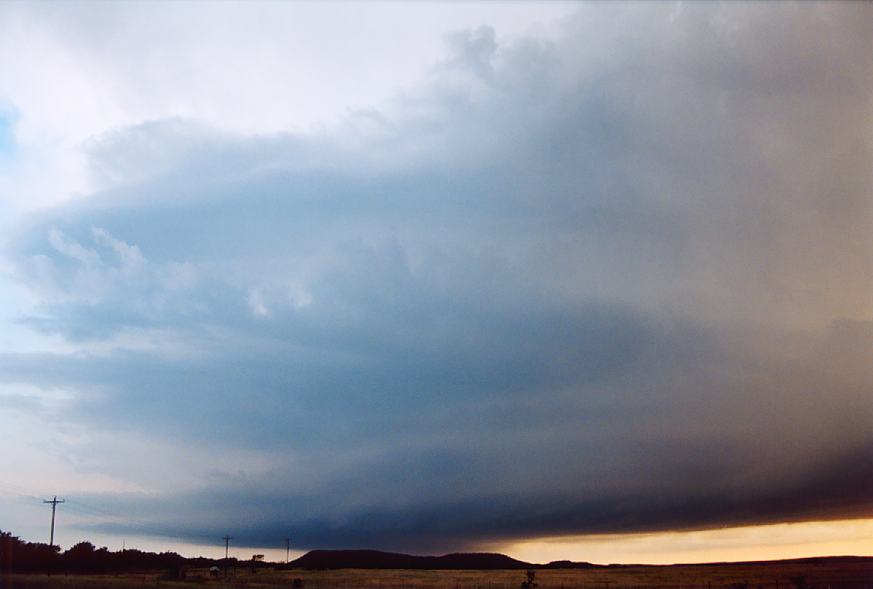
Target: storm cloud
612	279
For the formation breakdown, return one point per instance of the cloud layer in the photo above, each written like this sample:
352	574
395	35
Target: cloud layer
615	279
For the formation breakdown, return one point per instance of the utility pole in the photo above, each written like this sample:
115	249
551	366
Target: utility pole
287	549
227	540
54	503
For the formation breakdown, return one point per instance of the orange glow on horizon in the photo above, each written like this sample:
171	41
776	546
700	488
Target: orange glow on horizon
762	542
746	543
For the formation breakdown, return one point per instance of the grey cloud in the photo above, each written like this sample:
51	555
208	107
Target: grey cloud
609	282
338	517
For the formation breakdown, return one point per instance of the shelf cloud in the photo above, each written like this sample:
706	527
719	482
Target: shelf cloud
614	278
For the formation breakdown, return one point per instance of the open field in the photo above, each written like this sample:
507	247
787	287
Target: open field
828	574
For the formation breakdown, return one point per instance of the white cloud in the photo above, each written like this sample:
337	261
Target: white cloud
79	71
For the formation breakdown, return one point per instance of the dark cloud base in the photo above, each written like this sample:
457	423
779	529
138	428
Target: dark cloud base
840	490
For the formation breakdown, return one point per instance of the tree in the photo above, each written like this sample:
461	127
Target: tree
531	581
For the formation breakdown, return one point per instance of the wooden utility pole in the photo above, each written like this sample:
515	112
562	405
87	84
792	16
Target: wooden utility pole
54	503
227	540
287	549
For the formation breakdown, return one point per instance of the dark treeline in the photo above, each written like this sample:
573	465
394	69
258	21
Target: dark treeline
17	556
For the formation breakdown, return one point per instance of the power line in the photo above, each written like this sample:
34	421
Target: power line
126	521
20	491
122	520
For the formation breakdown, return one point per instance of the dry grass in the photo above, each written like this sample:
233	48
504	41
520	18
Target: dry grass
848	574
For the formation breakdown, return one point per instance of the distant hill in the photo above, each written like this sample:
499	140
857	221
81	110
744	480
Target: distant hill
376	559
566	564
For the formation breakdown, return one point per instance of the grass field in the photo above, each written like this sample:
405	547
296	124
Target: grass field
842	574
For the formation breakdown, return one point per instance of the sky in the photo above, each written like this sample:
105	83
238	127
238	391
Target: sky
587	281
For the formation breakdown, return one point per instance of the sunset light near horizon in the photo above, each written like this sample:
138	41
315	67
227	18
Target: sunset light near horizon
746	543
561	280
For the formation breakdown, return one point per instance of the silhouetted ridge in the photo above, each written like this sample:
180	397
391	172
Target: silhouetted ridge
376	559
566	564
